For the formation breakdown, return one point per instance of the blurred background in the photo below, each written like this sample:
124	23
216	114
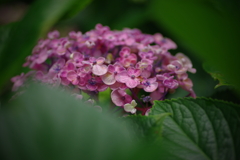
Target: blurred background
196	27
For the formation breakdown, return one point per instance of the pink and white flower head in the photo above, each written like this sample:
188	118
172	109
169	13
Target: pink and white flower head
127	62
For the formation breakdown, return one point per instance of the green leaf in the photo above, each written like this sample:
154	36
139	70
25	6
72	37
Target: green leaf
41	16
147	128
199	129
44	123
209	29
217	75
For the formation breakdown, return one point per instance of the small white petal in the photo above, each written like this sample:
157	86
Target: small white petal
133	110
133	103
128	107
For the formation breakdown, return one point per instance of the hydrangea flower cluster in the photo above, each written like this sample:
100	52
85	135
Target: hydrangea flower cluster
128	62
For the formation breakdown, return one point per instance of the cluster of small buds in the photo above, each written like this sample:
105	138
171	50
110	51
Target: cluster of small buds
126	61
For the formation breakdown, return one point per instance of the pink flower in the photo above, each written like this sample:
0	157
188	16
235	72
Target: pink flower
98	67
53	35
73	77
56	67
120	97
148	56
129	77
150	85
164	42
146	68
94	83
186	62
75	35
168	81
127	58
19	80
109	77
177	67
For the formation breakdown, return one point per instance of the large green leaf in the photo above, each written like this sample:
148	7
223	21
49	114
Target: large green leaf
41	16
45	123
209	28
199	129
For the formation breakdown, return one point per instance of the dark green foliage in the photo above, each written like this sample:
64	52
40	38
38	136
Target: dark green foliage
199	129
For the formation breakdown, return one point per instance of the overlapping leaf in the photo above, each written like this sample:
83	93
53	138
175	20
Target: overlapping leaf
45	123
199	129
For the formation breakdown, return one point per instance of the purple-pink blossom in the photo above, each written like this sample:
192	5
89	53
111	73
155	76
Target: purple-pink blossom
127	62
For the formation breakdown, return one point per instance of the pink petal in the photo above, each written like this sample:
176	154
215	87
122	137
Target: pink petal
92	59
153	86
161	77
91	87
125	51
145	73
53	34
129	41
42	57
61	50
65	81
187	84
102	87
111	68
82	81
72	75
181	71
108	78
183	76
151	80
192	70
100	60
132	83
39	76
126	62
117	98
86	68
63	73
155	95
122	77
70	66
118	67
128	99
75	81
115	86
133	71
99	69
170	83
